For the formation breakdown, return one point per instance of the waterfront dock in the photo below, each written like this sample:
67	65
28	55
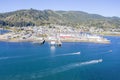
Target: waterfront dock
58	34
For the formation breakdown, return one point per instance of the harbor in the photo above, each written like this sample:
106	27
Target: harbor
58	34
72	61
60	40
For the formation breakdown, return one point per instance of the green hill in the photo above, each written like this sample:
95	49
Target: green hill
34	17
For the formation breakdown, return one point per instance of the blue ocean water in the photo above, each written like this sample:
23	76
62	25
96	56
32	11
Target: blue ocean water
71	61
4	31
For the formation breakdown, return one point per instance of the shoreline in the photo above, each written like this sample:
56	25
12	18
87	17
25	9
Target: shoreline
31	37
67	40
109	34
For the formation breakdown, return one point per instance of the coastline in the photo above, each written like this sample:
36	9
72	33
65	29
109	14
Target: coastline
28	36
109	34
5	38
63	40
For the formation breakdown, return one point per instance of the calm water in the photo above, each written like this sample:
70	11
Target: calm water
3	31
27	61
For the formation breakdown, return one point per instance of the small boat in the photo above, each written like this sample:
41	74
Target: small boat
39	42
59	43
100	60
53	43
42	42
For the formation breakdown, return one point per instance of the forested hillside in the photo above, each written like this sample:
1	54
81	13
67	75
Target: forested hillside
34	17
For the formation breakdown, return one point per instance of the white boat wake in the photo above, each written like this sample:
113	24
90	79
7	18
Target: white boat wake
4	58
60	55
74	65
68	54
48	72
1	58
109	51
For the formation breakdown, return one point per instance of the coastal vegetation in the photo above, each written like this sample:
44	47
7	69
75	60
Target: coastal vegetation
32	17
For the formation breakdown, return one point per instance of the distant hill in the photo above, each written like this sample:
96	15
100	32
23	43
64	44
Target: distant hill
34	17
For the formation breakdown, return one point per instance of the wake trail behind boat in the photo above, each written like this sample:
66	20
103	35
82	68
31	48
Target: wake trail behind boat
109	51
74	65
77	53
68	54
60	55
4	58
14	57
62	69
1	58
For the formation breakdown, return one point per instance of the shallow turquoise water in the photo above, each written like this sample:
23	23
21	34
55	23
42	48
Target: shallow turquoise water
27	61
